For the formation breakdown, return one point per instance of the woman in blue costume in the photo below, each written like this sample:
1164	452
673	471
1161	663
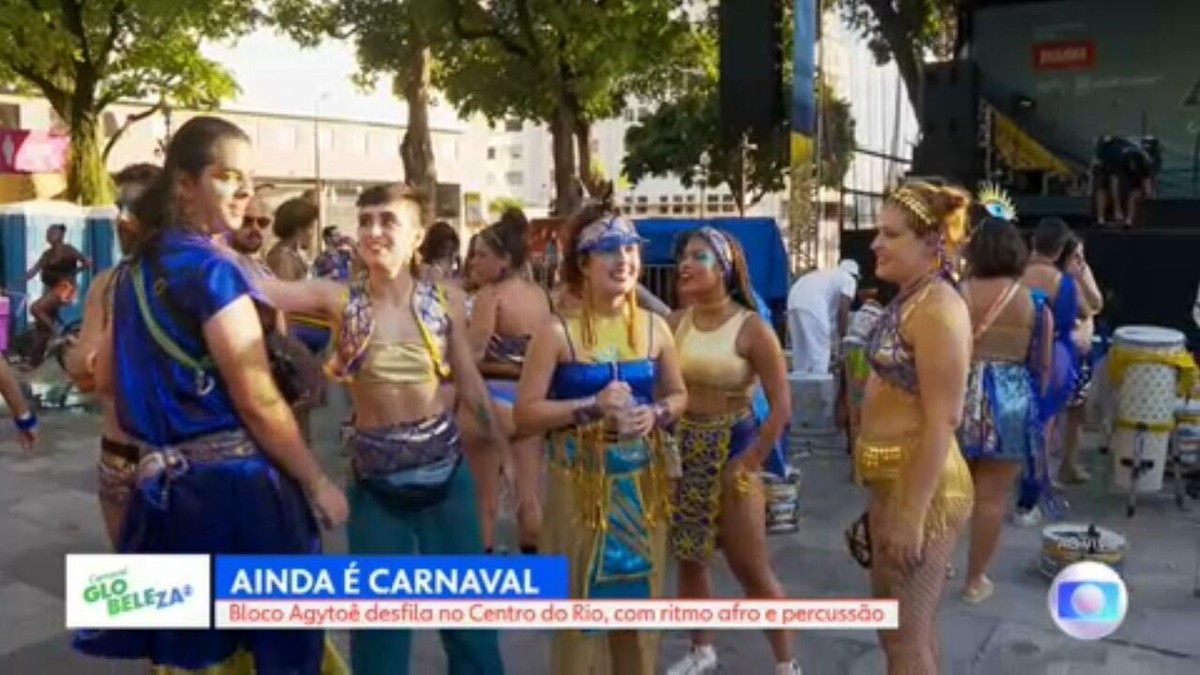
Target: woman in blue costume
509	309
1002	429
603	382
189	374
1050	237
725	351
399	339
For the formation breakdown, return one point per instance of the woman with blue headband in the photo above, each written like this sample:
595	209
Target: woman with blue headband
725	349
603	382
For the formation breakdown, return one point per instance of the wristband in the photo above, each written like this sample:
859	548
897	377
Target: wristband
663	419
26	422
587	413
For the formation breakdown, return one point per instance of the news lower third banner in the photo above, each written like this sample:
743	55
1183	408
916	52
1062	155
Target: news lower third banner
417	592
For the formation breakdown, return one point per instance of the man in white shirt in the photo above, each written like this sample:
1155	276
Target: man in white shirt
819	303
1196	308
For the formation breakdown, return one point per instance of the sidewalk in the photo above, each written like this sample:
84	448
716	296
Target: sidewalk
48	508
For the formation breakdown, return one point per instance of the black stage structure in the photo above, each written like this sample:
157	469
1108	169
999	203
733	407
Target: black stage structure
1033	88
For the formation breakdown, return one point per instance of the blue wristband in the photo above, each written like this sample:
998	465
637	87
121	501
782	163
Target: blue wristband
27	423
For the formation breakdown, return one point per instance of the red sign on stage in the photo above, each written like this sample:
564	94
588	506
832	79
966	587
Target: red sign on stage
1064	55
24	151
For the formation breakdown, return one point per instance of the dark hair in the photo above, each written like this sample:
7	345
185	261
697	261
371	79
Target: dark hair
441	242
1050	236
514	217
508	238
996	250
388	193
140	173
191	150
737	284
328	231
468	285
1069	248
59	227
572	260
294	216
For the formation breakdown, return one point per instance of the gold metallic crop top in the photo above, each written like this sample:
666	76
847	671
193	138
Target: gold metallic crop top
709	359
397	363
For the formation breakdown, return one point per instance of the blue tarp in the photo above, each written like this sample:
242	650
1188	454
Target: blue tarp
759	237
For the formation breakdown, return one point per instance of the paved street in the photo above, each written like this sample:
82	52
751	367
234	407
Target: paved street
48	508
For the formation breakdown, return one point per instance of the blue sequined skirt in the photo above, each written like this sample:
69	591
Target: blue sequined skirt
218	494
1000	412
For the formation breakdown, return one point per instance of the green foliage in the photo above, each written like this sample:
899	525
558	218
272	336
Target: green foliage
85	55
682	137
904	31
526	58
499	205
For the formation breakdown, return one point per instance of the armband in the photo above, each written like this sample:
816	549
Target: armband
27	422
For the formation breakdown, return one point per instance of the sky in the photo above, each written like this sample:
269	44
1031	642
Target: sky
277	76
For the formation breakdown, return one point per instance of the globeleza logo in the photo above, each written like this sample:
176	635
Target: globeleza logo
1088	600
137	591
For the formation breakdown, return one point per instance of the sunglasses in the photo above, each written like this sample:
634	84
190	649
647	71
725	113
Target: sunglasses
261	222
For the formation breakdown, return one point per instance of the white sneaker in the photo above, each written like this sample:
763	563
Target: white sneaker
698	661
1028	518
788	668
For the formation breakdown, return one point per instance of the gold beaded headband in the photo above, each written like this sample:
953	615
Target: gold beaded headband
914	204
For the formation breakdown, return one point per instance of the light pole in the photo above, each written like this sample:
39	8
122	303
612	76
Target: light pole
705	162
318	190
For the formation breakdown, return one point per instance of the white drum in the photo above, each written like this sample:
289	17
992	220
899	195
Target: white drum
1187	434
1146	396
813	399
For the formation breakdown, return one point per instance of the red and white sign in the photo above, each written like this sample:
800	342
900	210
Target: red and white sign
1075	55
24	151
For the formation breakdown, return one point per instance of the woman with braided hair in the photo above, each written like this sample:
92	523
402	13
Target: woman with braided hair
603	382
906	453
725	349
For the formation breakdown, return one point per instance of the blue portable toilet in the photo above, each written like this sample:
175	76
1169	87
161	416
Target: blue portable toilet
103	247
23	227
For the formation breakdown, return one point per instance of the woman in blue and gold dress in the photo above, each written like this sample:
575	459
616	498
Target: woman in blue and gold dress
906	454
223	469
603	381
725	350
1002	428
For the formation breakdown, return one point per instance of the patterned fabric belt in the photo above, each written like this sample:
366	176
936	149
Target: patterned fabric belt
160	466
116	470
378	452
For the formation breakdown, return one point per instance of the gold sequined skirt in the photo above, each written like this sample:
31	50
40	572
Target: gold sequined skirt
881	465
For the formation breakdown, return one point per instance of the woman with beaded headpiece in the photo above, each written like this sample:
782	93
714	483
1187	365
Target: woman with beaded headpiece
603	382
1012	329
906	454
725	349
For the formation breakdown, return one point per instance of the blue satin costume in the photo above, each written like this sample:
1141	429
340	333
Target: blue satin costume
776	462
1035	480
203	485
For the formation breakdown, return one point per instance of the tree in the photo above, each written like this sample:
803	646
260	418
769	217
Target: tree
82	56
393	40
904	31
682	138
566	63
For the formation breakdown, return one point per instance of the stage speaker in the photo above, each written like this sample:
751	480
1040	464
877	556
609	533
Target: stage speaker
949	118
751	79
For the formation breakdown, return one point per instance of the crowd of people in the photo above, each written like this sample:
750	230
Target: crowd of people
605	410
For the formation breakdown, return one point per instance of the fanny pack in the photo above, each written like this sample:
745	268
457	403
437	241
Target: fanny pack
414	489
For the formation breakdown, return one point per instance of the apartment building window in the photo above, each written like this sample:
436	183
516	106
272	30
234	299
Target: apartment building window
516	151
515	178
629	115
513	125
491	153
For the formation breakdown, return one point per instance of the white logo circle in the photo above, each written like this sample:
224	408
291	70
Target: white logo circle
1088	600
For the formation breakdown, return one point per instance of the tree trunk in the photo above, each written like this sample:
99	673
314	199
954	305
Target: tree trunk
583	143
420	169
567	193
88	182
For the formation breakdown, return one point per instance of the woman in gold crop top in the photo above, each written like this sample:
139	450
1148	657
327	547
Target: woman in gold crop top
724	350
399	337
920	351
